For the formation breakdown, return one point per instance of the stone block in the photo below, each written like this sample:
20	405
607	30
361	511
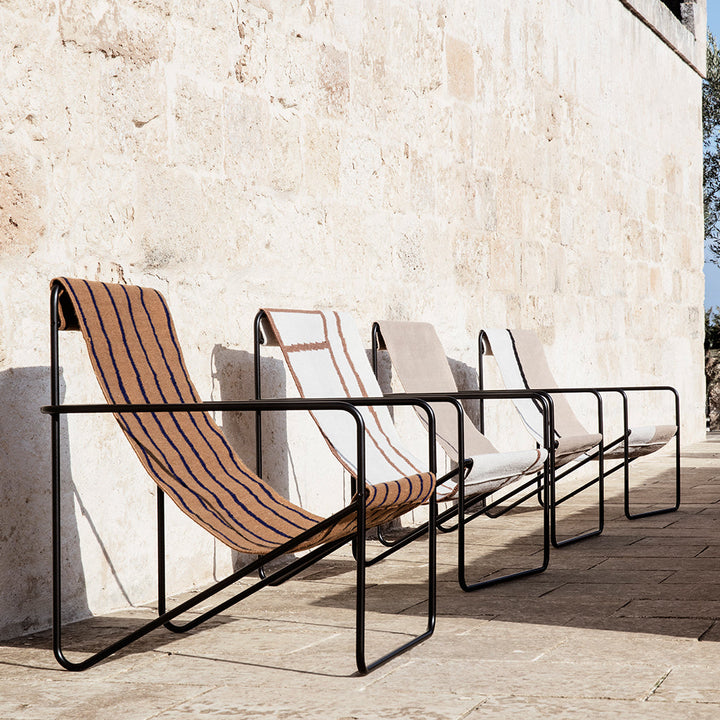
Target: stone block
460	69
252	56
285	157
320	157
196	127
22	201
207	54
333	77
485	205
472	256
246	119
117	28
167	209
203	14
133	107
33	9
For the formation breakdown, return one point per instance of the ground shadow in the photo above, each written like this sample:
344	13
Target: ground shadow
656	575
638	577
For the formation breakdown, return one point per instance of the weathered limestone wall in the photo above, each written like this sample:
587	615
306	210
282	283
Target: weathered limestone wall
469	163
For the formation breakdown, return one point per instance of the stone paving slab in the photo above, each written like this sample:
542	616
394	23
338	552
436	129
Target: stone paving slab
626	624
541	708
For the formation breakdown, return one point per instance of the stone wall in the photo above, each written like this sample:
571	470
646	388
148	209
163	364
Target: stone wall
469	163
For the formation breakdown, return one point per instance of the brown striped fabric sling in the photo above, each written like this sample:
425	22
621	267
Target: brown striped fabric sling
136	356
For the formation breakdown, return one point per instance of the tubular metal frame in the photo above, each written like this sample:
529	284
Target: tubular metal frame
625	437
543	398
539	484
165	617
543	488
464	504
599	454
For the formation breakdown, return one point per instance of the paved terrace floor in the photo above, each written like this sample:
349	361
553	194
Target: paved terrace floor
624	625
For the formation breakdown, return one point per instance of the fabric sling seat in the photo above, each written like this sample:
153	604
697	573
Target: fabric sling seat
522	363
419	361
137	359
421	365
325	357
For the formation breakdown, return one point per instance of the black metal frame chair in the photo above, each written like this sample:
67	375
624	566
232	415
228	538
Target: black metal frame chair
498	507
56	410
624	438
602	450
463	510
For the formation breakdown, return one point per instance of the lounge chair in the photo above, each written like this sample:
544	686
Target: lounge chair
136	356
325	357
421	365
522	363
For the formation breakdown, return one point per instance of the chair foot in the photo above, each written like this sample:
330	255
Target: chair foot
650	513
577	538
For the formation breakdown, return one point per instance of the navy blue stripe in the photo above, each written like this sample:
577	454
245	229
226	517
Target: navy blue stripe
173	418
213	428
131	434
398	487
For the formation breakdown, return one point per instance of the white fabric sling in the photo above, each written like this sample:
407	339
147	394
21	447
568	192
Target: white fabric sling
327	361
326	358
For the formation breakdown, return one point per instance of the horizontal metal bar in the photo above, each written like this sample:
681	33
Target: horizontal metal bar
233	405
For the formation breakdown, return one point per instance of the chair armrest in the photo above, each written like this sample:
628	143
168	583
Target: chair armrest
547	409
270	404
623	392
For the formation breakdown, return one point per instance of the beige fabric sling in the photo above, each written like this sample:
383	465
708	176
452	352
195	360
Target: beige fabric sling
421	365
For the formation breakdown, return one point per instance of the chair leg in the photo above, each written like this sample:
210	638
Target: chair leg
363	666
600	480
582	536
661	511
463	520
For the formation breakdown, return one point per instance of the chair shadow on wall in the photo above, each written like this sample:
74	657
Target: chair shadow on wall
233	375
25	508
